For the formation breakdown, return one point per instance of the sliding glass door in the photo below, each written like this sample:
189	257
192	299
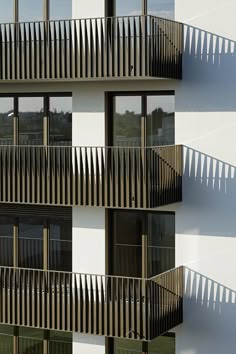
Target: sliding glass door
143	243
143	120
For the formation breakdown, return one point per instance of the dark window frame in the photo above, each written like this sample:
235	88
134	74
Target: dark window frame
46	111
109	107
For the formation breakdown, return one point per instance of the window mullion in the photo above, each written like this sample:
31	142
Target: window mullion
46	121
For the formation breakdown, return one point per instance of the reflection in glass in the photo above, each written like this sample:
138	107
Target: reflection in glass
31	120
127	121
6	339
161	243
123	346
162	345
6	16
30	243
160	120
6	120
127	231
60	342
60	245
6	241
128	228
30	340
60	9
60	125
161	8
30	10
127	8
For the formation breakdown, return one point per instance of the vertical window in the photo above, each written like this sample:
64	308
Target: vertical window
161	243
60	245
30	10
6	13
60	121
30	340
6	120
6	339
60	342
31	120
160	120
31	243
60	9
127	121
6	242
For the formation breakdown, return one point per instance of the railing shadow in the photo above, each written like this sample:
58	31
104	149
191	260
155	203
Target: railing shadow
210	304
209	75
209	187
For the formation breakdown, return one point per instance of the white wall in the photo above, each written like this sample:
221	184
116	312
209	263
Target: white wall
88	8
205	221
88	128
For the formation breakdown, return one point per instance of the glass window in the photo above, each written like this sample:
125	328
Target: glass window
31	120
127	8
162	345
60	342
60	124
30	243
6	241
161	8
160	120
6	120
127	346
6	339
60	9
7	14
161	243
127	121
60	234
30	340
30	10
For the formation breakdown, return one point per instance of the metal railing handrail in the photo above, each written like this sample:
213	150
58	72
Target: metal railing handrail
92	18
90	275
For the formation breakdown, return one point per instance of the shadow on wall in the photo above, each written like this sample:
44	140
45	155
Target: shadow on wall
210	308
209	72
209	190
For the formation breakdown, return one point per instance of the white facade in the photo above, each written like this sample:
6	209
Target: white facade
205	123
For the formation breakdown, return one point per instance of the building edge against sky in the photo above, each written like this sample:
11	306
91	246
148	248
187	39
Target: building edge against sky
204	123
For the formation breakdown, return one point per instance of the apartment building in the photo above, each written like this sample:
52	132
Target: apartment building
117	177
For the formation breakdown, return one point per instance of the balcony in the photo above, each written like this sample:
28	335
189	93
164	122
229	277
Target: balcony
112	177
120	307
85	49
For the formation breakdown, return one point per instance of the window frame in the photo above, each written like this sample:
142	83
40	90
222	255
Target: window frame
46	111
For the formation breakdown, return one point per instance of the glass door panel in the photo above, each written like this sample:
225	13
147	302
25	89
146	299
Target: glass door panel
127	247
31	120
30	340
161	243
127	121
60	121
31	243
160	120
60	245
6	121
128	228
30	10
6	241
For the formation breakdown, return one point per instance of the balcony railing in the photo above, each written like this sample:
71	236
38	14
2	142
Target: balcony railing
99	48
118	177
94	304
